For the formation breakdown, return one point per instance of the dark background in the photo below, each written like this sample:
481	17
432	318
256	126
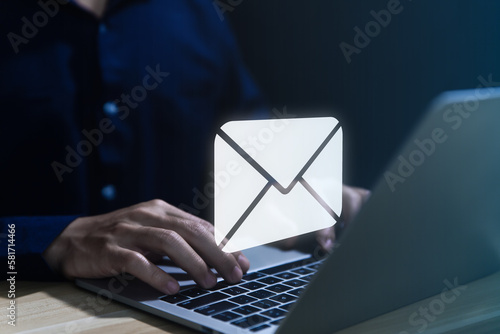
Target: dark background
292	49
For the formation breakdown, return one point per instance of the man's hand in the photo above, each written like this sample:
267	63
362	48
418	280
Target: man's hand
352	201
125	241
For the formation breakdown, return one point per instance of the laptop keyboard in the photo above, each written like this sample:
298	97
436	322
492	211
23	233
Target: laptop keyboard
261	300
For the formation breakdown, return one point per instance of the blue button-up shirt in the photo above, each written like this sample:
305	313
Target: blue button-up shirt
98	114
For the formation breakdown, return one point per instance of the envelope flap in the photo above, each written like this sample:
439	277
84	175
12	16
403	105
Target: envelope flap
281	146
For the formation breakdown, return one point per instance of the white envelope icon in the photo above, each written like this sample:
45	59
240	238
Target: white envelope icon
276	179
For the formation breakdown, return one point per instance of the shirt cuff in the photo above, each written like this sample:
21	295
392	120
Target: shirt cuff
32	235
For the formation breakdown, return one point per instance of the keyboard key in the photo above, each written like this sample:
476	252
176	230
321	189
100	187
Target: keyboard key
234	290
286	307
218	286
243	299
253	276
295	283
226	316
278	288
261	294
283	298
250	321
172	299
246	310
270	280
315	266
296	292
276	322
265	304
303	271
259	328
307	278
274	313
203	300
252	285
215	308
285	267
194	292
286	275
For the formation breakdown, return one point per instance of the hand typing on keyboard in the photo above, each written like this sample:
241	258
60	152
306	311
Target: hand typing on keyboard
127	240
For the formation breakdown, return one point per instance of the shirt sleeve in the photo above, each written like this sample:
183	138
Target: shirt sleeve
30	237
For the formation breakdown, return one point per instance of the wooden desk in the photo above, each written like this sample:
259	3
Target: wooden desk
65	308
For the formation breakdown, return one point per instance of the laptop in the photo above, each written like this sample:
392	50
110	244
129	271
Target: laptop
432	220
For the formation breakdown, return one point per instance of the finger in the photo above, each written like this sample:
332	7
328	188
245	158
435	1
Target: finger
200	236
170	243
239	256
242	261
352	200
137	265
326	238
197	232
160	214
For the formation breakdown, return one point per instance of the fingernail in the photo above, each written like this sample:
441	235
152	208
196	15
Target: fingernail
236	275
210	280
172	288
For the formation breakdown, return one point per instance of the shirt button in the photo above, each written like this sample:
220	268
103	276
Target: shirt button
108	192
110	108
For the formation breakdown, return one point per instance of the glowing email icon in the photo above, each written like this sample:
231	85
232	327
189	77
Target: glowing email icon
276	179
